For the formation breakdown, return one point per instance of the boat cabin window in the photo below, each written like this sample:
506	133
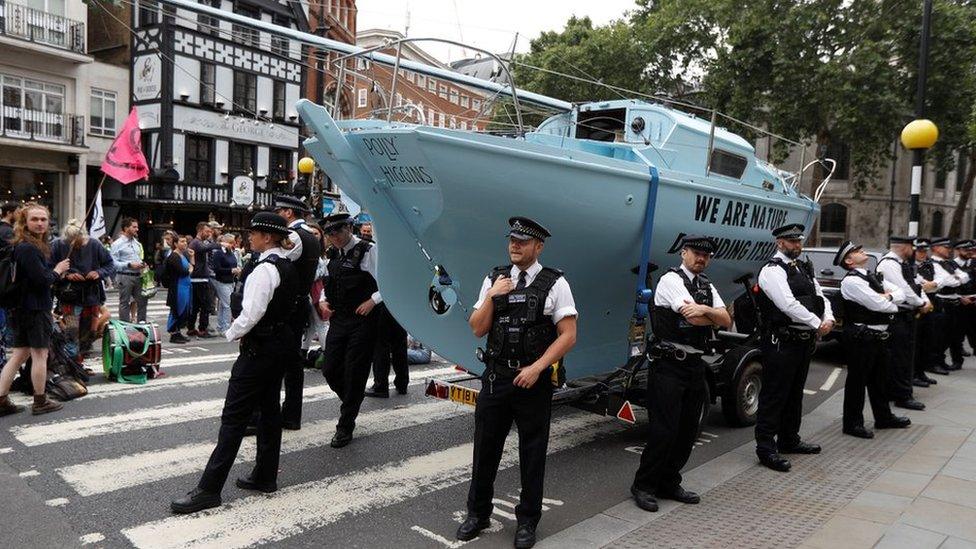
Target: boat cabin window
727	164
605	125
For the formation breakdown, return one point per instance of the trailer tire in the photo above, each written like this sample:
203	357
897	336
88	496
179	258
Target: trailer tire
740	403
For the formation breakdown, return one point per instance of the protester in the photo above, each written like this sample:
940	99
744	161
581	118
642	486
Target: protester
200	277
319	326
31	317
179	264
80	292
127	253
225	268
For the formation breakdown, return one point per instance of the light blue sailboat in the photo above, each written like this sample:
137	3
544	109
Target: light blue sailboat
440	199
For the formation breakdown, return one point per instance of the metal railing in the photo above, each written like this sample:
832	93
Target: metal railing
216	195
48	127
41	27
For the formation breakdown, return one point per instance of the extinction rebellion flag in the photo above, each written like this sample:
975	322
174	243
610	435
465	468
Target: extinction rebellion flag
124	161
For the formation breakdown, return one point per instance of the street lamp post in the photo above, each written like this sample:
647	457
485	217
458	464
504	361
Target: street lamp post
920	134
306	166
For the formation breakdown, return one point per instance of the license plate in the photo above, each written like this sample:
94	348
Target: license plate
463	395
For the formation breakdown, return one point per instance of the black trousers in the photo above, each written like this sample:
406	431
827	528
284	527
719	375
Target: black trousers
901	358
955	323
348	354
675	396
866	361
202	303
255	383
927	342
391	349
500	403
291	408
785	368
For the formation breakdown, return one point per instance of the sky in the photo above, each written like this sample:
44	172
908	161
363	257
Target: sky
488	24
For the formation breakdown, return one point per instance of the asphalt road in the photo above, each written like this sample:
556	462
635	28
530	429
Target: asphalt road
107	466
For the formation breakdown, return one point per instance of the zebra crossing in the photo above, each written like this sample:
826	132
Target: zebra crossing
110	462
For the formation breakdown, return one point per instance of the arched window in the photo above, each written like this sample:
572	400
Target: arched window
937	224
833	224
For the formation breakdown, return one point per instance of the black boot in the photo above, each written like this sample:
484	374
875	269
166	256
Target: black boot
525	536
197	499
471	527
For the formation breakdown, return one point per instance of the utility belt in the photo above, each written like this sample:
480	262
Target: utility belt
499	366
261	336
904	315
948	302
789	334
863	333
665	350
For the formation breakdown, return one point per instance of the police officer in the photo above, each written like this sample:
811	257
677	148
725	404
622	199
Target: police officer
306	260
927	357
270	296
794	313
351	294
965	252
897	267
952	278
870	304
962	322
528	313
687	307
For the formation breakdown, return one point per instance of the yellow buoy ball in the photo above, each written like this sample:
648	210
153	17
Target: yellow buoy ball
919	134
306	165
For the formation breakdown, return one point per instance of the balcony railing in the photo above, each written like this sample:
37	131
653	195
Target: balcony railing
48	127
215	195
38	26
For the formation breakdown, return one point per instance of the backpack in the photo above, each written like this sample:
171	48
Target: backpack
9	285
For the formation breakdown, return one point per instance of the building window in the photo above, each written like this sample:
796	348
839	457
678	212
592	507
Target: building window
32	107
432	85
399	99
148	12
940	177
421	80
431	120
208	82
241	159
839	152
476	104
199	164
442	91
454	96
244	34
279	44
278	100
464	125
102	117
833	224
245	92
361	98
961	164
410	76
937	224
206	23
464	101
280	163
727	164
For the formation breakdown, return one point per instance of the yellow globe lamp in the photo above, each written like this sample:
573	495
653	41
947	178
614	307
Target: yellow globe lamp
306	165
919	134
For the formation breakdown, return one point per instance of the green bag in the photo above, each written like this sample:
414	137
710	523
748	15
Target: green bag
148	280
120	361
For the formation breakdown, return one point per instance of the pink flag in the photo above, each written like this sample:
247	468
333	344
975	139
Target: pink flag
124	160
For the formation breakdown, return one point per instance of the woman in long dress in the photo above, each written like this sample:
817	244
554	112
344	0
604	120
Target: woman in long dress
179	263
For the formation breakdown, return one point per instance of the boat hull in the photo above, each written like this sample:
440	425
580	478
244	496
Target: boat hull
448	194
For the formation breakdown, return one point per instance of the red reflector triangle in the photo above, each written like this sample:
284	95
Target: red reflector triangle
431	389
626	413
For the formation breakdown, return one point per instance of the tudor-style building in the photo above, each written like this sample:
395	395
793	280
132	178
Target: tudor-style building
216	105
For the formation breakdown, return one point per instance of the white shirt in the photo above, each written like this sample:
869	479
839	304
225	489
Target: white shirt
953	280
559	301
296	250
672	293
772	281
856	289
963	263
367	264
259	288
891	271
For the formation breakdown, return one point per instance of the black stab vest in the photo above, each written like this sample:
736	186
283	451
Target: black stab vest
668	325
283	302
347	285
857	313
950	267
520	329
968	288
800	279
908	272
308	262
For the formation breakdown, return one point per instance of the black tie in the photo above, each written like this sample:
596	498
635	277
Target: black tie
521	281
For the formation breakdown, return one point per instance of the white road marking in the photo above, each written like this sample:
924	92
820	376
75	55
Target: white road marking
831	379
295	509
809	392
6	450
503	503
147	418
28	474
709	435
56	502
89	539
107	475
438	538
503	514
109	389
555	502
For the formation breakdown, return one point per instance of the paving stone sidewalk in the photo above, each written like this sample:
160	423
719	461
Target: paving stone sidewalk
913	488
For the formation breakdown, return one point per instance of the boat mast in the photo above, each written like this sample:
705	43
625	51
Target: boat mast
375	56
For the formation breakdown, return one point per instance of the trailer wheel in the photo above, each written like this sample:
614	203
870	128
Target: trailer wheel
740	404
